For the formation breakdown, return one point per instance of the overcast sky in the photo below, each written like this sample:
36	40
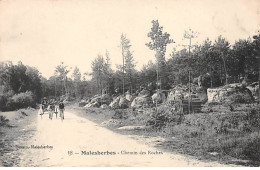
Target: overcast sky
44	33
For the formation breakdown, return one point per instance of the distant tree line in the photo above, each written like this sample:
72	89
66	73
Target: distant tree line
217	63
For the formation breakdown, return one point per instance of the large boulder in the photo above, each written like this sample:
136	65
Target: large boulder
229	93
95	104
119	102
104	106
215	94
141	101
123	103
159	97
106	99
115	103
88	100
95	99
144	93
254	88
82	103
129	97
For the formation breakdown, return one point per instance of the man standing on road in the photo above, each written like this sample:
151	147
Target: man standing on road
61	108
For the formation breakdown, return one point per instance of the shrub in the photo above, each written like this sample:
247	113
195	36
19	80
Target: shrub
164	115
22	100
241	98
251	149
3	121
3	101
254	118
120	114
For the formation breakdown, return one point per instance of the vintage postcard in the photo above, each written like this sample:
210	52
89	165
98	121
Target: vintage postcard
129	83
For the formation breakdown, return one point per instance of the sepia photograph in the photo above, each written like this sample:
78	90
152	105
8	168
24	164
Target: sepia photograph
129	83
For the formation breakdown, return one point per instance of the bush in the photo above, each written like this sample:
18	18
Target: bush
22	100
251	149
3	101
3	121
241	98
120	114
164	115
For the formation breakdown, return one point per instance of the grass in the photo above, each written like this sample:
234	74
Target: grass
219	135
13	130
228	134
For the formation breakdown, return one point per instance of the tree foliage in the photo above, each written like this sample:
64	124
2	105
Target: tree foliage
217	62
127	70
158	43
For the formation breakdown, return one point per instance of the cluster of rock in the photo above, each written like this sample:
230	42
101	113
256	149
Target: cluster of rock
226	93
118	102
96	101
183	92
144	99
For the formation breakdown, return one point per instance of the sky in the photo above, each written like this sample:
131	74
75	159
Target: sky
45	33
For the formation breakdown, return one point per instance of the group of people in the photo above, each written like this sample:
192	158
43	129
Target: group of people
52	106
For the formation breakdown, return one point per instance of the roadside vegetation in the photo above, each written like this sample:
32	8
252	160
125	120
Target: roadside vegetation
218	135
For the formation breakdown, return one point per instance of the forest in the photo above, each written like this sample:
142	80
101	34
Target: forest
216	62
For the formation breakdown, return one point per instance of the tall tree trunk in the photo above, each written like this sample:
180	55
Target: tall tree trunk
258	76
123	70
221	74
131	83
65	88
225	69
211	81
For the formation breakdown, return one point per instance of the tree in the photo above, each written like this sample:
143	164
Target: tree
19	78
130	68
125	45
206	61
5	75
221	49
108	60
256	47
190	34
62	71
108	74
179	66
158	43
147	76
76	76
241	61
34	81
98	67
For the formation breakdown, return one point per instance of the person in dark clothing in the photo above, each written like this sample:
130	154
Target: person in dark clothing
61	108
43	105
51	109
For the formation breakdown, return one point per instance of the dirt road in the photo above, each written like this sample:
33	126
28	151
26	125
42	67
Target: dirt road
70	143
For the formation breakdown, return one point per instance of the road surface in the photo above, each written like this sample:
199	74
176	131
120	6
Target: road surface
70	142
